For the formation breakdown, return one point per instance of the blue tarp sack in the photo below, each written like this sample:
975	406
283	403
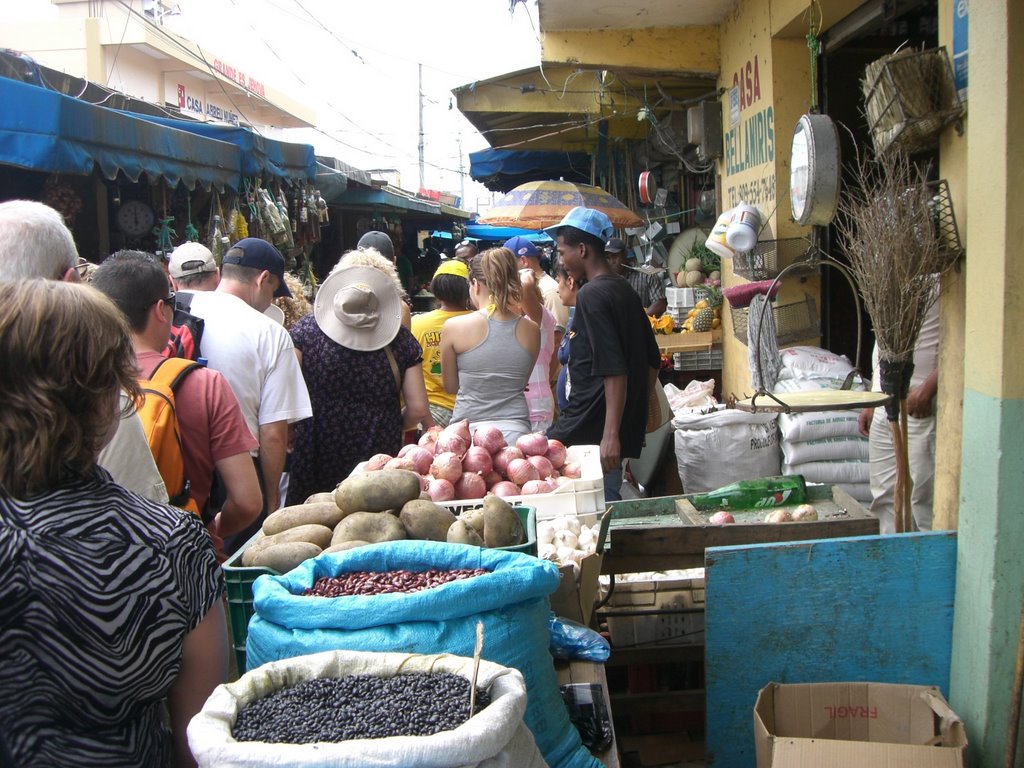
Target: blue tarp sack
510	601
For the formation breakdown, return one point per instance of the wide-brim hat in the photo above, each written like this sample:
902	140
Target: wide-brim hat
359	308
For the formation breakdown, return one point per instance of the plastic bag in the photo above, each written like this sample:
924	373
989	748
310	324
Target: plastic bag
569	640
698	394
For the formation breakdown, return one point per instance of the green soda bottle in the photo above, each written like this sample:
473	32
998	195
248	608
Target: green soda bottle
753	494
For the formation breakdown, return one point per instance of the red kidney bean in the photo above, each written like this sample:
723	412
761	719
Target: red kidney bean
382	582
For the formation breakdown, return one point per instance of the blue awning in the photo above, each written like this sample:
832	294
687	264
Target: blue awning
260	154
487	232
44	130
503	169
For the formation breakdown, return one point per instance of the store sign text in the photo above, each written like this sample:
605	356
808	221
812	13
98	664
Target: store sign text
751	143
748	81
195	105
249	83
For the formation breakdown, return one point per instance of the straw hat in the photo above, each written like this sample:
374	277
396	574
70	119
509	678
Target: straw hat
359	308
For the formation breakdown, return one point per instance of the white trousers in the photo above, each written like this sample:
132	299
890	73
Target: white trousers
921	451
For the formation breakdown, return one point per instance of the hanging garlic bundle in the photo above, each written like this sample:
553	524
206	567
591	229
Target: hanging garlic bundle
321	207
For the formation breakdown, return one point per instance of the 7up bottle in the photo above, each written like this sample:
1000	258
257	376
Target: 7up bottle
753	494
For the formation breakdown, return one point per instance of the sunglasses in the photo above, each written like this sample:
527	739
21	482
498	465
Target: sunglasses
168	299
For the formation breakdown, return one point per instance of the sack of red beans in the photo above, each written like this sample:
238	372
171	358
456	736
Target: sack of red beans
509	597
350	709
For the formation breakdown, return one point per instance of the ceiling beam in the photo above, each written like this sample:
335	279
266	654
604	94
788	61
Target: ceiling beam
680	50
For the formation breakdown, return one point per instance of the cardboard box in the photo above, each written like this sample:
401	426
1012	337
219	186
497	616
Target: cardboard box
575	597
852	725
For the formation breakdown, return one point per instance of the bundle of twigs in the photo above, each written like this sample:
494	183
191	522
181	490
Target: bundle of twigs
894	249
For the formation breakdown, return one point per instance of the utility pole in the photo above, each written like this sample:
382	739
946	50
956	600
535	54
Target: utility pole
422	185
462	175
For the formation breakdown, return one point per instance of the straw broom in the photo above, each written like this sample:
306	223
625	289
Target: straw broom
894	249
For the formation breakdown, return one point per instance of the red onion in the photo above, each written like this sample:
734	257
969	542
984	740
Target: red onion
421	459
446	466
505	489
521	471
403	463
533	444
489	438
441	490
543	466
405	449
377	461
493	478
535	486
558	482
572	469
504	456
722	518
477	460
429	438
556	453
459	428
470	486
452	441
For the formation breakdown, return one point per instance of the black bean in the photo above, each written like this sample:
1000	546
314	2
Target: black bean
359	707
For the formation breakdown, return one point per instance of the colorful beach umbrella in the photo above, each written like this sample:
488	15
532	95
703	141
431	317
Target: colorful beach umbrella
539	204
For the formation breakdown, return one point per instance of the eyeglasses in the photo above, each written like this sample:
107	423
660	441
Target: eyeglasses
168	299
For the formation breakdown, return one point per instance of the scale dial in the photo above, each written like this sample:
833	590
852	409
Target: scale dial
135	218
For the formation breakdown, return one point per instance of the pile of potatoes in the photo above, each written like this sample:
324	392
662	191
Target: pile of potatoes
369	508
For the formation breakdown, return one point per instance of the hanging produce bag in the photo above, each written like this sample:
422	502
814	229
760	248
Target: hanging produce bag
495	737
510	601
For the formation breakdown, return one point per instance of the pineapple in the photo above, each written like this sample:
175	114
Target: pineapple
709	307
703	319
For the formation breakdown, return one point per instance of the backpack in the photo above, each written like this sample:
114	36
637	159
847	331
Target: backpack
163	432
186	330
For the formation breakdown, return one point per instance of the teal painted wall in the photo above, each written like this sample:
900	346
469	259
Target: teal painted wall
989	574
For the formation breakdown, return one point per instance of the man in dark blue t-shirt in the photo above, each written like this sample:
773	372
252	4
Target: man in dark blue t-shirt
614	359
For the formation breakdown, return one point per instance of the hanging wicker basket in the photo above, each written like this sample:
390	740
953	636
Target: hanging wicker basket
769	257
909	97
796	321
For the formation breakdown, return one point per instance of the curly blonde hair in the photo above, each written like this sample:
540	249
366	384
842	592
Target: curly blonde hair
59	397
296	306
497	269
370	257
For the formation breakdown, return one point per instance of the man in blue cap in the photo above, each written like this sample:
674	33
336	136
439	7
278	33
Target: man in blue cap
528	256
614	359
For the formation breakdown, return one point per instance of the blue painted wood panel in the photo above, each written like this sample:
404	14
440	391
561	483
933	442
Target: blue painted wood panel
868	608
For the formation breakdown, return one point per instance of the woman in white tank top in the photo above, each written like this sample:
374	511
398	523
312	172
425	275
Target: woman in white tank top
487	356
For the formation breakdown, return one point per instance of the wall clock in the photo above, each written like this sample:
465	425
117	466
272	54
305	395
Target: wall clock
814	170
135	218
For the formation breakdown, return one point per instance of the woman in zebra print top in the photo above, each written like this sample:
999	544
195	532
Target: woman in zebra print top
110	605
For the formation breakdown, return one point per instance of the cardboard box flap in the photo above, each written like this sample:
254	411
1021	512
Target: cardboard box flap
815	753
951	727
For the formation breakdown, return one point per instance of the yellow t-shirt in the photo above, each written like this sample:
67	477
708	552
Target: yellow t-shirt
427	330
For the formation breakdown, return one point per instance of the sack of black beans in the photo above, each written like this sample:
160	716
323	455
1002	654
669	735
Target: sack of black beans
350	709
510	600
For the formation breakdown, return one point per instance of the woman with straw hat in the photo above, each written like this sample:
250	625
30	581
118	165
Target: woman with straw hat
359	363
487	356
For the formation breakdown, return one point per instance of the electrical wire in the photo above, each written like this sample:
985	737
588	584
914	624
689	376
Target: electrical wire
117	50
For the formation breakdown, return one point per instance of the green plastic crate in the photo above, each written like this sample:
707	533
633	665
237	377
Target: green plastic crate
239	580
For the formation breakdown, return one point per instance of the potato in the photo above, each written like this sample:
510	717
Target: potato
345	546
320	535
425	520
324	513
377	491
502	527
284	557
370	527
474	518
805	512
314	498
779	516
462	532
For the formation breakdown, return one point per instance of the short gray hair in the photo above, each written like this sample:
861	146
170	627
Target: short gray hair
34	242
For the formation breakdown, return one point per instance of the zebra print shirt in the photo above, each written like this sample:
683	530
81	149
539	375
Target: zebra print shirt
98	588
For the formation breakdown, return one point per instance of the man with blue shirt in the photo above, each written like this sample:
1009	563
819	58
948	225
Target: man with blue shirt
614	359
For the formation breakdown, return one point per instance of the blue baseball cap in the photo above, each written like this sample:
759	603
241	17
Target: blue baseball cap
520	246
258	254
589	220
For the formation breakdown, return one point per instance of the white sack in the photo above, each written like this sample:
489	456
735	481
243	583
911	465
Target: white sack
860	491
818	425
832	472
813	363
724	446
828	449
494	738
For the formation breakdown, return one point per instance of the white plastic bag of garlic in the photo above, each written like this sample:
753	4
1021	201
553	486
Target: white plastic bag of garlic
566	541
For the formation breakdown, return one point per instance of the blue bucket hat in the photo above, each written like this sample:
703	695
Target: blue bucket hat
589	220
520	246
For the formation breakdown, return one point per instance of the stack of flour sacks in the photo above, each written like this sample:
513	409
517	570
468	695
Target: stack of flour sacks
823	446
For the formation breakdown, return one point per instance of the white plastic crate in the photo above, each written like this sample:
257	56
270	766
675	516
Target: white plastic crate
582	497
633	623
679	298
710	360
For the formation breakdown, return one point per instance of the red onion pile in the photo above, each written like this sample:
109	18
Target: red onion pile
454	464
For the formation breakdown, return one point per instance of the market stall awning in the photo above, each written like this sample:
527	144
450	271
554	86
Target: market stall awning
487	232
386	198
46	131
502	169
260	154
